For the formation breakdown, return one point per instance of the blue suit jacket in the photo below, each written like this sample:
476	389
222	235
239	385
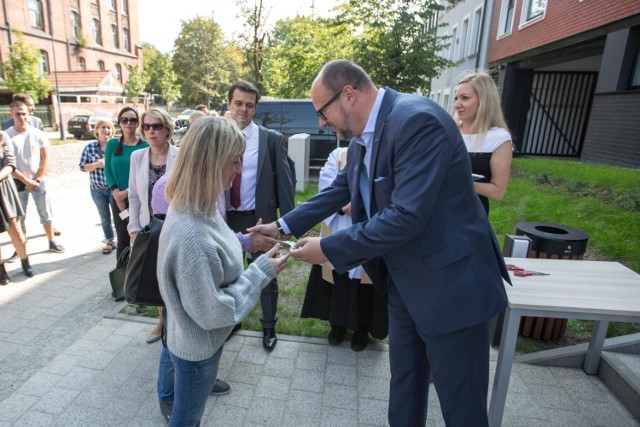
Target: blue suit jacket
428	232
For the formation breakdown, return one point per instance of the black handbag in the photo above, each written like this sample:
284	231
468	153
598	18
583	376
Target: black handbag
141	285
117	275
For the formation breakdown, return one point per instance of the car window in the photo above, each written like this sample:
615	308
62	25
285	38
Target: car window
79	119
268	115
300	117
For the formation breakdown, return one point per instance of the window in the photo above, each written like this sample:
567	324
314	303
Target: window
533	9
125	40
36	19
635	75
463	38
114	36
445	100
44	62
112	4
96	32
75	25
101	65
119	72
123	7
475	31
506	17
82	64
454	42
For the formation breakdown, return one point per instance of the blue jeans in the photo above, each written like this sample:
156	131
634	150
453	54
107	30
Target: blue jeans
102	199
193	382
41	199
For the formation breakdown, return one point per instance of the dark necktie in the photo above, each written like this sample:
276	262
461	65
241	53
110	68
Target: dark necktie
235	189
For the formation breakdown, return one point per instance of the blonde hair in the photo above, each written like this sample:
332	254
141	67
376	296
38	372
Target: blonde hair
195	116
103	122
196	179
489	114
162	115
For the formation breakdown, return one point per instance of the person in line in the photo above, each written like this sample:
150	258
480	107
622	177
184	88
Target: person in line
117	163
421	234
92	161
11	209
200	265
31	148
484	130
146	167
347	300
34	121
260	190
203	109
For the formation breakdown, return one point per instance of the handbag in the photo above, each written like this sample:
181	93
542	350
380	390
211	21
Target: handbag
117	275
141	284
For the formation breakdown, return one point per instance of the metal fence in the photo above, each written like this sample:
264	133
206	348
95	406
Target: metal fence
42	111
558	114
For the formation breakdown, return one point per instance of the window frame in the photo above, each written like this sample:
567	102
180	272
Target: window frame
115	36
476	28
124	6
126	39
464	35
454	43
44	62
118	70
525	19
82	63
96	31
504	18
101	65
36	13
77	28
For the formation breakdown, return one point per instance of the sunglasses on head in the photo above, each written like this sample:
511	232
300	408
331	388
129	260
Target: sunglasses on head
127	120
154	126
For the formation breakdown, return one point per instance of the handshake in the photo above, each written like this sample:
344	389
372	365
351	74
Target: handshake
265	236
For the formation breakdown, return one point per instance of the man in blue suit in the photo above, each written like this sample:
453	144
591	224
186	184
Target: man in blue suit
421	234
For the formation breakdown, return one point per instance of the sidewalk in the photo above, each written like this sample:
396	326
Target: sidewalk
69	358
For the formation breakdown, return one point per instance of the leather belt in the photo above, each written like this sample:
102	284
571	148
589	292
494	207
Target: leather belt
242	213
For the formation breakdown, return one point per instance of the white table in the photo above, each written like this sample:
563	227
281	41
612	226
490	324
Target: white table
592	290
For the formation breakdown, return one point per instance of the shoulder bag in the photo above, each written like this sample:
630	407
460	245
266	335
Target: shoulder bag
141	285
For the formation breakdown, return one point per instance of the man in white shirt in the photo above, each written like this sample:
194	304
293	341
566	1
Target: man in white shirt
31	148
264	186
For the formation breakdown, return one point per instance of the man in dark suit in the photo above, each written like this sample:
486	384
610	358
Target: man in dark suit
421	234
261	189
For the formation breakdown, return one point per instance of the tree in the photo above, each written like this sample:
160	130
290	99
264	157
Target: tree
136	83
22	70
158	67
298	47
253	38
397	43
202	63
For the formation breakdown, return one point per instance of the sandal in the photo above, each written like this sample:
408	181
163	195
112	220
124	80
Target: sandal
108	248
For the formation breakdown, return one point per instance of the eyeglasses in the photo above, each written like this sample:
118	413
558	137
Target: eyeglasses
320	112
154	126
127	120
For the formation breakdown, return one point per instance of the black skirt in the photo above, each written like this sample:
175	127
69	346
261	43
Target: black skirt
10	206
346	303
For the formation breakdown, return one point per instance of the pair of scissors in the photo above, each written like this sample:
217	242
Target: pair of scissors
521	272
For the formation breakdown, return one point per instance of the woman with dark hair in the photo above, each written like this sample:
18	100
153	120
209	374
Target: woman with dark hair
117	160
10	208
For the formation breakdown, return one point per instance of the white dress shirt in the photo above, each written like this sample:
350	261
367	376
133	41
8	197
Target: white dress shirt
249	168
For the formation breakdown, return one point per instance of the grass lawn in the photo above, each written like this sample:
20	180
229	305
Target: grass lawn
602	201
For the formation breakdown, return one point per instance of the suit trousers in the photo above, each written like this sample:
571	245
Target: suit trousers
239	222
459	362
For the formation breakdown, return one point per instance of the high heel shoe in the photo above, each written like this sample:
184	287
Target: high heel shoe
26	267
4	277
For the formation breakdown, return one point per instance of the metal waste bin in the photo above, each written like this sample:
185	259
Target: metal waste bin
555	241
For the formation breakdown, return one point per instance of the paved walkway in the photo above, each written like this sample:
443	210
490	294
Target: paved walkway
69	358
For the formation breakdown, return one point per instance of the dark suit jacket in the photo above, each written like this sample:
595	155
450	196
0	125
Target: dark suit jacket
428	228
274	187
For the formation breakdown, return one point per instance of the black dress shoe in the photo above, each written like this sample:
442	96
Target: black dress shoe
26	267
336	335
360	340
165	409
269	340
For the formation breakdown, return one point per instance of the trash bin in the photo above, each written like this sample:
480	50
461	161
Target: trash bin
554	241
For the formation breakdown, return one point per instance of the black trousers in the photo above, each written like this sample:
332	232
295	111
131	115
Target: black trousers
239	222
121	229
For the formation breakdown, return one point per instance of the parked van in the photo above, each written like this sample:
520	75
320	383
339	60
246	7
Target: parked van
292	116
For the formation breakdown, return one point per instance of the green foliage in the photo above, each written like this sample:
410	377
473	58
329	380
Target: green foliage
135	83
396	41
252	39
159	68
22	70
298	48
202	62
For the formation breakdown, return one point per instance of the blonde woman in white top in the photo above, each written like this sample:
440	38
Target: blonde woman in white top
485	134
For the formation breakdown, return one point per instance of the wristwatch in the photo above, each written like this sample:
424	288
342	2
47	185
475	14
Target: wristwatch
280	230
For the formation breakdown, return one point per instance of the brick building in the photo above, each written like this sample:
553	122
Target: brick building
75	36
569	71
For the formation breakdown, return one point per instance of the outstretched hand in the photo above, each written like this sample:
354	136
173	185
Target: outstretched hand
268	230
308	250
260	242
278	263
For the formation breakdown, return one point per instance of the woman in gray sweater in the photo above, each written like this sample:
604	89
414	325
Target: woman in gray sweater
200	266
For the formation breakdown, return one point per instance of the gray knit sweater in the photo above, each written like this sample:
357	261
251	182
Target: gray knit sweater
203	282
